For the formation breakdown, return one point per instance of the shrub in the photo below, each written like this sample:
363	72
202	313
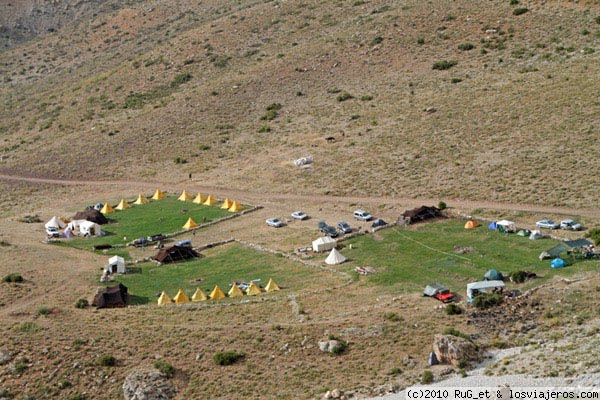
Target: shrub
426	377
597	19
340	348
12	278
453	309
466	46
107	360
29	327
514	2
442	205
444	65
274	106
181	79
366	97
81	303
455	80
462	364
179	160
392	316
520	10
269	116
487	300
420	40
594	234
165	368
264	128
455	332
44	311
395	371
228	357
344	96
518	276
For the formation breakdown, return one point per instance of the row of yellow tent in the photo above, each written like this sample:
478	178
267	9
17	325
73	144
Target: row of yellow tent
216	294
232	206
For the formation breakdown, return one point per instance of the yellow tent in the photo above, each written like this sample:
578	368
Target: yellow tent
210	200
107	209
164	299
123	205
199	199
185	196
253	289
181	297
216	294
235	207
471	224
190	224
271	286
235	291
141	200
158	195
199	295
226	204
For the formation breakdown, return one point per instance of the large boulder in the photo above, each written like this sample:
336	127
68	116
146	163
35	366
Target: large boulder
454	350
147	384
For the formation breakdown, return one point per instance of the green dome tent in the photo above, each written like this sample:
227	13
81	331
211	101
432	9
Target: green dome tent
493	275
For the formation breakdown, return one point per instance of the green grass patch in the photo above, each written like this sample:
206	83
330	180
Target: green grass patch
221	266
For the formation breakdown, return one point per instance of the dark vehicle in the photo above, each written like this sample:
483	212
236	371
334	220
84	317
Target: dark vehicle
141	242
378	223
327	230
321	225
156	238
344	227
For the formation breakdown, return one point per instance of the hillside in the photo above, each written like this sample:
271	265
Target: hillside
233	92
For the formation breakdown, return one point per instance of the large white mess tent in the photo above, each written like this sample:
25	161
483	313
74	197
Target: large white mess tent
85	227
476	288
323	244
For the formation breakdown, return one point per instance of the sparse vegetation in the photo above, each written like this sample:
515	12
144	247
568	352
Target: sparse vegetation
453	309
344	96
12	278
228	357
487	300
82	303
466	46
427	377
165	368
106	360
520	11
444	65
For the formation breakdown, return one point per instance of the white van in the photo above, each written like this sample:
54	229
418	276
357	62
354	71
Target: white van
362	215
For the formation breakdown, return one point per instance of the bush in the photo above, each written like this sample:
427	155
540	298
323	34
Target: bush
442	205
514	2
455	80
165	368
81	303
490	300
453	309
427	377
466	46
44	311
392	316
597	19
518	276
274	106
269	116
107	361
366	97
181	79
228	357
444	65
12	278
179	160
344	96
594	234
519	11
264	128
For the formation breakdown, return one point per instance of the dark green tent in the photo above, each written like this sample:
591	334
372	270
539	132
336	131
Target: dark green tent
493	275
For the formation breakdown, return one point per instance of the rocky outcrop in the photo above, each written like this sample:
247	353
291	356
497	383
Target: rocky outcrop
455	350
147	384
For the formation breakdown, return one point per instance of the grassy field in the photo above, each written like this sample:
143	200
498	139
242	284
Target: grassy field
221	266
408	259
163	216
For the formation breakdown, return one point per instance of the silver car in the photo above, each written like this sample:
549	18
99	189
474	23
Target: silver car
547	224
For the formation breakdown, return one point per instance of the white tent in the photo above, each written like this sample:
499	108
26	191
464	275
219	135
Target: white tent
483	287
323	244
55	222
89	228
75	224
507	225
116	264
535	235
67	233
335	257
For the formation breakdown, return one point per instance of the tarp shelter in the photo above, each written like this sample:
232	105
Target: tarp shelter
111	297
493	275
335	257
164	299
226	204
271	286
555	251
235	291
141	200
577	243
558	263
190	224
158	195
493	226
508	226
476	288
181	297
199	295
535	235
92	216
210	200
67	233
471	224
199	199
252	289
235	207
123	205
323	244
174	254
432	290
107	209
216	294
89	228
55	222
116	265
421	213
185	196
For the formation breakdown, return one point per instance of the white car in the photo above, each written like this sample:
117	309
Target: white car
52	232
275	222
299	215
362	215
546	223
570	225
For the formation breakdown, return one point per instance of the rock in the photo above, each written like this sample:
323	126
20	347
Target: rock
5	357
329	345
336	394
454	349
145	384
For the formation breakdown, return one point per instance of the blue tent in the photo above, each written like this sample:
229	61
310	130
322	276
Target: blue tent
493	226
558	263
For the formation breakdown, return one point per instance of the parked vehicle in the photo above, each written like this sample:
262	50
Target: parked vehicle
344	227
569	224
547	224
274	222
299	215
378	222
326	229
362	215
52	232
